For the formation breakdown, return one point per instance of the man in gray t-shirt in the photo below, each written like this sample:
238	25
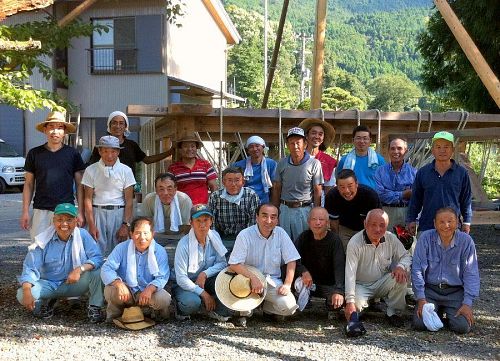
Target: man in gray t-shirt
297	185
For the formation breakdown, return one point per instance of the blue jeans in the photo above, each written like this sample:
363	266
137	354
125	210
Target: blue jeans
189	302
89	282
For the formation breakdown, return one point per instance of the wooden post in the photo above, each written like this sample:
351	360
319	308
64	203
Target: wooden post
75	12
319	54
470	49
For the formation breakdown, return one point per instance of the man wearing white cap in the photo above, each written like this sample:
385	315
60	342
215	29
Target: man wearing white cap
131	153
109	191
259	170
441	183
52	169
297	184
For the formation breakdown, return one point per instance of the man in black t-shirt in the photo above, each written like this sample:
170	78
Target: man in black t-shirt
348	204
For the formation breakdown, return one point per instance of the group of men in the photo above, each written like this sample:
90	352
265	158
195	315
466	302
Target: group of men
342	252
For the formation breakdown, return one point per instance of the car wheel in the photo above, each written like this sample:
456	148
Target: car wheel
3	186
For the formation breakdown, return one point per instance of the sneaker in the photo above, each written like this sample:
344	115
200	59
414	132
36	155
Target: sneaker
239	321
95	314
396	321
46	309
215	316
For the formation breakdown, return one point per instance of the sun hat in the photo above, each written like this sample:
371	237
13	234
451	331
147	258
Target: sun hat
235	292
329	130
56	117
200	209
109	141
188	139
66	208
133	319
295	131
443	135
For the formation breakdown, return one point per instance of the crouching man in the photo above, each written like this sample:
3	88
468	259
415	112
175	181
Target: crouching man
63	262
136	272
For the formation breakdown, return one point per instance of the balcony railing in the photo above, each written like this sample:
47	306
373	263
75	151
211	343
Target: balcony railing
112	60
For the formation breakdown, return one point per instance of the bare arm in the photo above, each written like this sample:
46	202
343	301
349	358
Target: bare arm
275	195
29	186
123	231
284	289
212	185
257	286
89	212
79	198
318	189
157	157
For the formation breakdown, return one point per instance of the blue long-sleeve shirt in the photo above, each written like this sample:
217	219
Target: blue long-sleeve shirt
115	267
209	261
54	262
390	185
455	265
431	191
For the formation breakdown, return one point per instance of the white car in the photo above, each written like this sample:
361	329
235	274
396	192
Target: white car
11	167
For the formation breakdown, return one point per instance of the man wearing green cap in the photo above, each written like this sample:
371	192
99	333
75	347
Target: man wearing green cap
441	183
63	261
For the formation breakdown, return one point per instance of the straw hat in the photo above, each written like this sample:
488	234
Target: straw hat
234	290
188	139
133	319
329	130
56	117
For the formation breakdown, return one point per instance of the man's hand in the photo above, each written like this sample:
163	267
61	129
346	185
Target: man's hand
145	296
93	231
200	280
420	307
124	294
74	276
466	311
406	194
466	228
307	279
337	300
350	307
80	220
257	286
28	299
284	289
208	301
412	228
24	221
122	234
400	275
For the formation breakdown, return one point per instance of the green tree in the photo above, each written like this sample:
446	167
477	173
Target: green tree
446	68
336	77
394	93
335	98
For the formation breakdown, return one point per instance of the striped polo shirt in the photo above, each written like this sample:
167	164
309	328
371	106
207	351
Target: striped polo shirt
193	181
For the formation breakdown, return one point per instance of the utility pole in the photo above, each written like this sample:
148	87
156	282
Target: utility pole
265	43
319	54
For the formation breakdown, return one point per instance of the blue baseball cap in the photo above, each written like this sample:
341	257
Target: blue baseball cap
199	210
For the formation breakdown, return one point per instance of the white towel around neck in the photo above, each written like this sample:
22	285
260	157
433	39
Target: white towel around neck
131	276
175	215
109	172
350	159
264	174
77	250
212	237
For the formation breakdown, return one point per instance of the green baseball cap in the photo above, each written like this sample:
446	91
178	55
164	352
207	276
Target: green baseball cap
443	135
66	208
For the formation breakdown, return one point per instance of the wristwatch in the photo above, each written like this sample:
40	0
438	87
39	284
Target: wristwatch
82	268
126	224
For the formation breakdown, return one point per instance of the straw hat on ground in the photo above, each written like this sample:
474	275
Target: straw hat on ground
329	130
133	319
56	117
234	290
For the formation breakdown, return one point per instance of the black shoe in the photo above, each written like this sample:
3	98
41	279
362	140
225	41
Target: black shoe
95	314
271	317
239	321
46	309
396	321
410	300
355	327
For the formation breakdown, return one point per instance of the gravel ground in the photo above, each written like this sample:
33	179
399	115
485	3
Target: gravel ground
308	336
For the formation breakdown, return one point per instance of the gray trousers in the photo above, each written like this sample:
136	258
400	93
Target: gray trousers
108	222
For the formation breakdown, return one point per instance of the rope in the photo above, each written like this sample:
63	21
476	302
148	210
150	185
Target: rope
221	131
379	128
280	135
358	116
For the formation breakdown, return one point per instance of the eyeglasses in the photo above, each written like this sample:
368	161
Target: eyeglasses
361	139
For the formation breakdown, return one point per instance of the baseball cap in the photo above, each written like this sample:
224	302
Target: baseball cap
66	208
295	131
444	135
199	210
109	141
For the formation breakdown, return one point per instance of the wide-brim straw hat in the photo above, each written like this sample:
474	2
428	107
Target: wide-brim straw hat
329	130
188	139
56	117
133	319
234	290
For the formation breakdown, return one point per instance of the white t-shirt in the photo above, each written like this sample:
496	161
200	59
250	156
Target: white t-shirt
108	190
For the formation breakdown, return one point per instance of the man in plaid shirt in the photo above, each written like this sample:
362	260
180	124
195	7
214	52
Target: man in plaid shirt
233	206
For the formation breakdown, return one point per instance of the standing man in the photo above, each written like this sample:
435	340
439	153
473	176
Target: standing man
266	247
348	204
131	153
52	170
259	170
362	159
394	181
136	272
441	183
109	193
233	207
297	184
376	267
319	136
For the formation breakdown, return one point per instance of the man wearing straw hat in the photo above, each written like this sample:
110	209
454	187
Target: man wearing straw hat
52	170
267	247
109	191
136	272
118	126
259	170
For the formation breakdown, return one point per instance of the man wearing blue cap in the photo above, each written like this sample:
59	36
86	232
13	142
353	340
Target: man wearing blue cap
258	169
63	261
441	183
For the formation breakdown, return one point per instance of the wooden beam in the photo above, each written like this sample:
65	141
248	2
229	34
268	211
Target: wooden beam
470	49
147	110
319	54
73	14
465	134
486	217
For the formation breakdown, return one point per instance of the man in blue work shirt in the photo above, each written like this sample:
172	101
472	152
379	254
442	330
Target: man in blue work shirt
442	183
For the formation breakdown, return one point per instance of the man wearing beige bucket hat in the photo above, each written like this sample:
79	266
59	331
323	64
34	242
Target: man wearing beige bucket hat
52	169
267	247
